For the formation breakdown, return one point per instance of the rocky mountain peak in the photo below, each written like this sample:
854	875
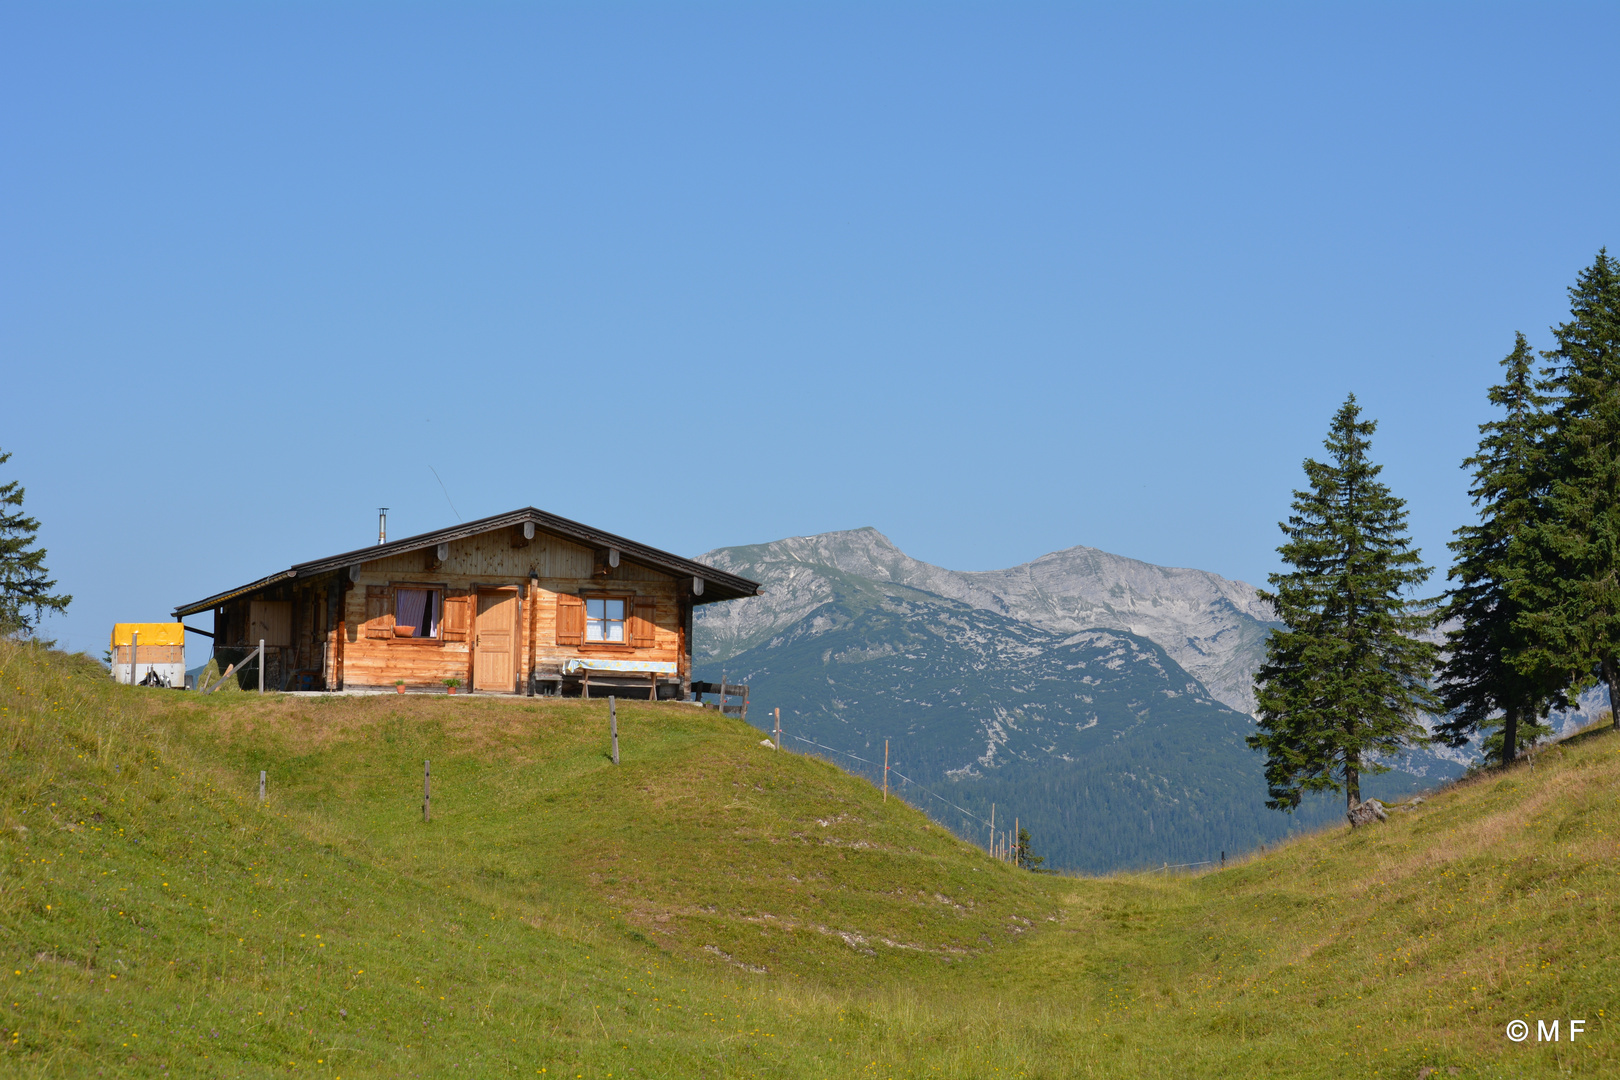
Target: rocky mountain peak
1210	625
864	552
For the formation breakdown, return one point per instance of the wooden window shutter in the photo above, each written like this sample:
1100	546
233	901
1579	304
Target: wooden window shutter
643	628
457	619
379	611
570	620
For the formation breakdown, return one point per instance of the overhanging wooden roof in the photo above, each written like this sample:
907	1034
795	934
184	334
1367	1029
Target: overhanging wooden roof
717	584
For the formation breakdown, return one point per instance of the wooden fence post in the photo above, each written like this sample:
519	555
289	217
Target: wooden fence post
779	729
261	785
427	790
261	665
885	770
613	726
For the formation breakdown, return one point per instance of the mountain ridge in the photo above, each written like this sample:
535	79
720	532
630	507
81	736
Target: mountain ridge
1214	627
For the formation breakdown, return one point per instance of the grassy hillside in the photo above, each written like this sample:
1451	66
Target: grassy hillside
711	908
1111	754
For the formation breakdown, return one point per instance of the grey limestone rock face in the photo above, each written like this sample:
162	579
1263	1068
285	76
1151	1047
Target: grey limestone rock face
1213	627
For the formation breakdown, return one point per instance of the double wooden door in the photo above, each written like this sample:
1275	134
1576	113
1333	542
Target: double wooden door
495	641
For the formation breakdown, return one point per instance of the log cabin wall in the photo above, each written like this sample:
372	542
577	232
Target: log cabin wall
512	592
535	573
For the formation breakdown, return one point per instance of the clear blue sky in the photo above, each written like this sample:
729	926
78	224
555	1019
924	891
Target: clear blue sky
995	279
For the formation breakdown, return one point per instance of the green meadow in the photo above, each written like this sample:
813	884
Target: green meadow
713	908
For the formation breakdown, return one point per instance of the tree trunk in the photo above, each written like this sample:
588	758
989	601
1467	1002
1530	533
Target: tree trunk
1352	785
1611	675
1510	736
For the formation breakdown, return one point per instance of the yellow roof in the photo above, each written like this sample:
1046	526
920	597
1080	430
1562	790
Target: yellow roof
152	633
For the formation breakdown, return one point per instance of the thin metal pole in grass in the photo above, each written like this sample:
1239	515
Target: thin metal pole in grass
613	726
885	770
427	791
779	729
261	785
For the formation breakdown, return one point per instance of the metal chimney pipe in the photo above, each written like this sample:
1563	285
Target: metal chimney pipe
382	524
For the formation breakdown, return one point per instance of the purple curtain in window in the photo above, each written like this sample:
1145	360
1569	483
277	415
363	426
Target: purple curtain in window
409	607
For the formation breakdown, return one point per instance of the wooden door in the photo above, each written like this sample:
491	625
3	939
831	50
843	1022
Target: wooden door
495	647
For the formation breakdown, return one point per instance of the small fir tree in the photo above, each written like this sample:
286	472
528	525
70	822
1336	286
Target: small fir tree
1491	680
24	586
1569	591
1346	677
1024	856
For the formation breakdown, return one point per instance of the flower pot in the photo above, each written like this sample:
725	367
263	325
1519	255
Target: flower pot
404	631
399	689
449	689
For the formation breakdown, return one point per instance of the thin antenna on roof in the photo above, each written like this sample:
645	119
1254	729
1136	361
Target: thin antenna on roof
382	524
446	491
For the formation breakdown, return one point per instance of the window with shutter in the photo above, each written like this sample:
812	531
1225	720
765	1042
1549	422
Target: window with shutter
605	618
457	617
643	630
570	620
418	610
379	612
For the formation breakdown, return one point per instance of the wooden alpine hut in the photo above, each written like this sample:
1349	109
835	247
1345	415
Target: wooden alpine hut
522	602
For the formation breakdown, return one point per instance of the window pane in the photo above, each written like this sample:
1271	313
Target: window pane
615	609
593	630
615	631
410	606
593	609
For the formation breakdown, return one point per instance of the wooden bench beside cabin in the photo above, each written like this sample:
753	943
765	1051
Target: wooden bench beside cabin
522	602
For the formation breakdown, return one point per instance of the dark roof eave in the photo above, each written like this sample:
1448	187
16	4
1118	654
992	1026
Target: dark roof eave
717	584
231	594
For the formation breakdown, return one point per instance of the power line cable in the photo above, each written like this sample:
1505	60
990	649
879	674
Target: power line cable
446	491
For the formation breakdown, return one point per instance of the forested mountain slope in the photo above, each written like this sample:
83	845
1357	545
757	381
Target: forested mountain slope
1097	739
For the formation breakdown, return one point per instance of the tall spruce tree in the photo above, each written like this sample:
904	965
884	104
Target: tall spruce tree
1492	679
1569	591
1345	679
23	584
